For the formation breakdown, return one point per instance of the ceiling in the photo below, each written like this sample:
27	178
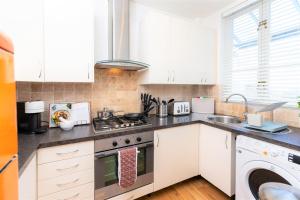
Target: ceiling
188	8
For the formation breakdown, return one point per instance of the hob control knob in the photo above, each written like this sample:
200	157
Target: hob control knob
127	141
139	139
115	143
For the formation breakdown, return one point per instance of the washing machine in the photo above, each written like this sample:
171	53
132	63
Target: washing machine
259	162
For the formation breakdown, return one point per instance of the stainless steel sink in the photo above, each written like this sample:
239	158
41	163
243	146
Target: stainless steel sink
225	119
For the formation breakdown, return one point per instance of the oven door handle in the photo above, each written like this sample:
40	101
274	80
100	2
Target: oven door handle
115	151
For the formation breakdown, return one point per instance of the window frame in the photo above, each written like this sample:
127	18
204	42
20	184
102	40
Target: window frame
264	41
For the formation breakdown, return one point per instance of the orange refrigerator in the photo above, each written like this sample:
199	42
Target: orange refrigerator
8	123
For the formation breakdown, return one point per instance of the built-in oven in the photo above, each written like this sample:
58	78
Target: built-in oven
106	163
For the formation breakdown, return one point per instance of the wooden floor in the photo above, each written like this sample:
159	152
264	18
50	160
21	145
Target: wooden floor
193	189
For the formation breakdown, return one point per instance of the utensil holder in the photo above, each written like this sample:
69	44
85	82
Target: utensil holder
162	110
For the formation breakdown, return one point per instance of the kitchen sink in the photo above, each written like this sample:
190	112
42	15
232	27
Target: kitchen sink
225	119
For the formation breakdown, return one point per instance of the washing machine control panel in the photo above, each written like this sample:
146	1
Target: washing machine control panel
270	151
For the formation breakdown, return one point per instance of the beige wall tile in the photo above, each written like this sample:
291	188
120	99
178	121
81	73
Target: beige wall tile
115	89
36	87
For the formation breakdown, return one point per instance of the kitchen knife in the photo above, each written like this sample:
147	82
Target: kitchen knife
154	101
170	101
149	100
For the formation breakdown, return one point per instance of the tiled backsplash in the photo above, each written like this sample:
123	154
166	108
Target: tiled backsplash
115	89
119	90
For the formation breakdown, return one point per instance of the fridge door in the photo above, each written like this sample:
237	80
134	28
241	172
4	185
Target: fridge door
8	115
9	179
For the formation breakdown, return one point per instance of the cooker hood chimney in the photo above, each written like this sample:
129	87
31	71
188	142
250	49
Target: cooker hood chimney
118	38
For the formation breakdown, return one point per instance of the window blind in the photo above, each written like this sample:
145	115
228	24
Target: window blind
262	52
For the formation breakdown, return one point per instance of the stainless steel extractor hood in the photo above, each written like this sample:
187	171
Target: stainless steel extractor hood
118	38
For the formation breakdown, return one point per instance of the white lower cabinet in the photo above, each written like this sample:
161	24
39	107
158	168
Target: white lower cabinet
27	182
64	182
66	172
217	158
175	155
83	192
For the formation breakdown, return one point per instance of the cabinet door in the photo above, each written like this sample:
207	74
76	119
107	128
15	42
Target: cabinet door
28	182
216	158
69	36
180	51
175	155
207	55
22	21
150	43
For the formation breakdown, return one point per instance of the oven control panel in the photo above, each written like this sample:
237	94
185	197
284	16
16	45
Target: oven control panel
123	141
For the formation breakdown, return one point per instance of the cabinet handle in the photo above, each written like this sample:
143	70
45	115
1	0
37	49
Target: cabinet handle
173	76
68	183
40	74
88	71
72	167
157	141
65	153
168	76
72	197
226	140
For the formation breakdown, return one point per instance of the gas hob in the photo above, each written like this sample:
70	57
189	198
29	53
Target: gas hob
118	123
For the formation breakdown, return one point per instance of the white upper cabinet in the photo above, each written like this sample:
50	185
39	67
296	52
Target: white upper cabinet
179	50
22	21
69	40
53	39
150	34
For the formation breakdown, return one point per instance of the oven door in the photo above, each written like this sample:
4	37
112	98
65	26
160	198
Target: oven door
106	171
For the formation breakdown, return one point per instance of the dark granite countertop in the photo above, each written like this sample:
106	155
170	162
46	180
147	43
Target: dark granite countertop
28	144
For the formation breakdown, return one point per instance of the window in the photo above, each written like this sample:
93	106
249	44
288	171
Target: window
262	52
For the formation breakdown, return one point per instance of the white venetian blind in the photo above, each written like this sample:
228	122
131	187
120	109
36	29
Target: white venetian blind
262	52
284	58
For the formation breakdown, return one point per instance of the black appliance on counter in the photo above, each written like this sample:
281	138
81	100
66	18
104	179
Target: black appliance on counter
29	117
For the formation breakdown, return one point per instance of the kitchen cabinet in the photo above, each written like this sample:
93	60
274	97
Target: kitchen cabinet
179	50
217	158
53	41
22	21
28	182
149	43
69	40
66	172
175	155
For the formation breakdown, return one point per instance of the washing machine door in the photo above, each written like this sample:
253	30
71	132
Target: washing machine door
256	173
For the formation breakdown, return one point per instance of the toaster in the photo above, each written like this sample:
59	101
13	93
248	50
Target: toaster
179	108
